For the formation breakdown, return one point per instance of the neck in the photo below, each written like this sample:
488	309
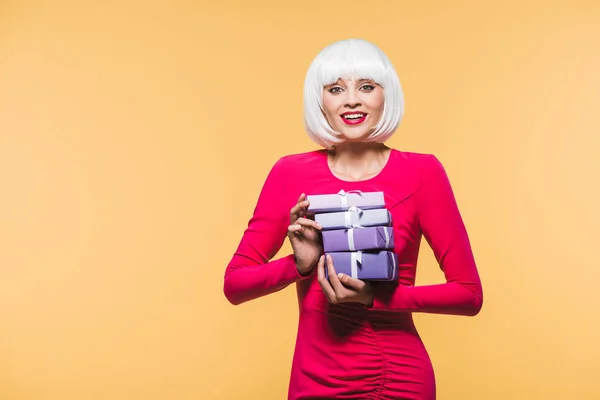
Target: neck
357	161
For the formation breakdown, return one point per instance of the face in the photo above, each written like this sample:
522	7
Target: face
353	107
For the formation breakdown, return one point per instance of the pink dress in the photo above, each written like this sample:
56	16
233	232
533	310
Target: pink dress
350	351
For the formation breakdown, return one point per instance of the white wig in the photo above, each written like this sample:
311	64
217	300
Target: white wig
359	59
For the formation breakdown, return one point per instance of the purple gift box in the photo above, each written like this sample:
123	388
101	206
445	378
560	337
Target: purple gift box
342	201
354	218
374	266
370	238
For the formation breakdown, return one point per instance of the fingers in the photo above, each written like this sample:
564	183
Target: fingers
299	209
325	286
354	283
296	211
307	222
333	278
298	225
296	228
334	287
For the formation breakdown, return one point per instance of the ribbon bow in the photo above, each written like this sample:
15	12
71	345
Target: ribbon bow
348	217
344	199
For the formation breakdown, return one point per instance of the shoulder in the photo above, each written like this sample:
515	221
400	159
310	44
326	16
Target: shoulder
414	157
429	174
420	165
289	169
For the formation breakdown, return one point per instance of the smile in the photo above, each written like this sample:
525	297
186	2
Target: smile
353	118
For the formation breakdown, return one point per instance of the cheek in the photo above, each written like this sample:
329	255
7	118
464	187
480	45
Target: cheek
376	102
329	105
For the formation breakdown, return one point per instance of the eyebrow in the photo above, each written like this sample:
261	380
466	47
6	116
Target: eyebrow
358	80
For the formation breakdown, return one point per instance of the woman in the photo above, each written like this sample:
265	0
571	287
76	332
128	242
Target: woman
356	340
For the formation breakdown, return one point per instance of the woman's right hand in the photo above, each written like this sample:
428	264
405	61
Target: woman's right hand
305	237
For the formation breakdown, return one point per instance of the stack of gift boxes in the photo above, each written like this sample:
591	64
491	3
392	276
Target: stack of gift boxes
357	232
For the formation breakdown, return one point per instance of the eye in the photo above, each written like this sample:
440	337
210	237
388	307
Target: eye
335	89
367	87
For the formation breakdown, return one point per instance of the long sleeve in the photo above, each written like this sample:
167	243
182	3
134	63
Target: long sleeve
443	228
250	273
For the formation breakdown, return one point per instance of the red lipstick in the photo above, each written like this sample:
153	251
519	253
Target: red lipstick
353	117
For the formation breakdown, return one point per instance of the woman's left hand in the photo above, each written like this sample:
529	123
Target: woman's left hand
342	288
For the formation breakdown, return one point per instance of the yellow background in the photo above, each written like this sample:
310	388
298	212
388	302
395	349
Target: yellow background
135	136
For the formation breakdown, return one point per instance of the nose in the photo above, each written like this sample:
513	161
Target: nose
353	104
352	100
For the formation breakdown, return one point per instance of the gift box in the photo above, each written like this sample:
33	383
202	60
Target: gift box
342	201
370	238
354	218
374	266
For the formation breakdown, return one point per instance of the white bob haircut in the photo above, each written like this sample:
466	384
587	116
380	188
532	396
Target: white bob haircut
359	59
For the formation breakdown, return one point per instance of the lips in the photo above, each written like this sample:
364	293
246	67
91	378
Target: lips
353	118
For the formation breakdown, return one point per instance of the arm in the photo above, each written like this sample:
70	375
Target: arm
250	274
443	228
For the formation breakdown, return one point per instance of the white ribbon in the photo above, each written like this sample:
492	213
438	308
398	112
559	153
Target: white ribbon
348	217
355	262
387	237
344	199
394	266
351	239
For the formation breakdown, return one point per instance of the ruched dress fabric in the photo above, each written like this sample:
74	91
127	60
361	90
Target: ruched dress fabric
348	350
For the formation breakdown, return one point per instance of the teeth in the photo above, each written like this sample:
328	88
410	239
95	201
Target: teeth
354	116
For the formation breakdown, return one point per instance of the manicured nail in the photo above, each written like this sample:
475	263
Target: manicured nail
340	275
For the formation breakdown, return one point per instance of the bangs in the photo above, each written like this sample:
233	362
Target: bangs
352	62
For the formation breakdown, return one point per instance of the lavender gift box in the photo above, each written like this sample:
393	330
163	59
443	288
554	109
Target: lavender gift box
342	201
370	238
354	218
373	266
